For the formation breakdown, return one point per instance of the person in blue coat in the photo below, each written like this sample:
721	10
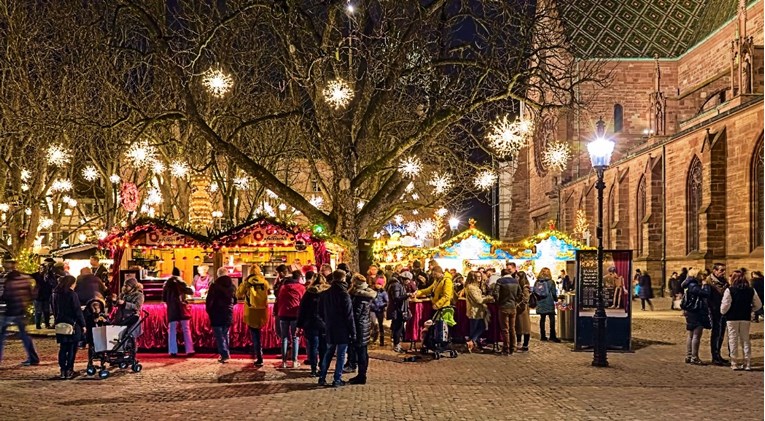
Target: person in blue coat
547	296
696	311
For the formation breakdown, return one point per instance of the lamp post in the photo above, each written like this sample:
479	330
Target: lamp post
600	151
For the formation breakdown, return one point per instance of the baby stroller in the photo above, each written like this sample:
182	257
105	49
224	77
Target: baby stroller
115	345
436	336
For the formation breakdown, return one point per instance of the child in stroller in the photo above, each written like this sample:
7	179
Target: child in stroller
123	352
435	333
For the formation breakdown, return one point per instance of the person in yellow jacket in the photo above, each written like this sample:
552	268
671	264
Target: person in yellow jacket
441	290
254	292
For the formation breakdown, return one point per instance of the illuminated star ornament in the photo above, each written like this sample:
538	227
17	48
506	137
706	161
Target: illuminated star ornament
141	153
89	173
58	156
217	82
410	167
179	169
316	201
61	185
485	179
441	183
556	156
157	167
114	178
241	183
338	94
46	223
507	137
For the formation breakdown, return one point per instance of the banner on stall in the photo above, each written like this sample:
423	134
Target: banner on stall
616	297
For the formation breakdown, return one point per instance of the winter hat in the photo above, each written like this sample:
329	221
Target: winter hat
407	275
132	282
380	282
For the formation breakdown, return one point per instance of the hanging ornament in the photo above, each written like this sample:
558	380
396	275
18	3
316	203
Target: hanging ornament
410	167
58	156
217	82
179	169
141	154
338	94
61	185
485	179
506	137
556	156
441	182
130	196
89	173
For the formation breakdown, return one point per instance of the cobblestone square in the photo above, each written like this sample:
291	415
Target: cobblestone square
549	382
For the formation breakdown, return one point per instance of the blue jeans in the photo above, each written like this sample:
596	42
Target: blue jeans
256	347
477	326
339	364
26	340
221	340
289	333
172	340
317	347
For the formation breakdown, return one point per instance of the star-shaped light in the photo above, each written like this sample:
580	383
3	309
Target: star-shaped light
58	156
441	182
141	153
410	167
316	201
507	137
217	82
90	173
338	94
157	167
485	179
153	196
241	183
556	156
45	223
114	178
179	169
61	185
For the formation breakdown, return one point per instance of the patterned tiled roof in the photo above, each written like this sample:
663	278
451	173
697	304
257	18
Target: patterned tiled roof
641	28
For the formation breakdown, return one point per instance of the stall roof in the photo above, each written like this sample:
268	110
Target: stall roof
78	251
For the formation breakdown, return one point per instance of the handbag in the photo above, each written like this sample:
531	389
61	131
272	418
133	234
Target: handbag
65	329
532	300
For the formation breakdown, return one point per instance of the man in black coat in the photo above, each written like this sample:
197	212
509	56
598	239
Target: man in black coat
337	312
99	270
757	284
17	295
361	300
45	281
89	286
719	284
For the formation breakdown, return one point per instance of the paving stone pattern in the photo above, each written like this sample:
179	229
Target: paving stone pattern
549	382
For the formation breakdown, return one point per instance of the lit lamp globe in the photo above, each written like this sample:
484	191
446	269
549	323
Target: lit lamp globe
600	151
454	223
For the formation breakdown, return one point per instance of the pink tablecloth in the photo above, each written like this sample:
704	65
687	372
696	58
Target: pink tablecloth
154	334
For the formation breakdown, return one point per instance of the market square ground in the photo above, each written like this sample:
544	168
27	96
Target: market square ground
549	382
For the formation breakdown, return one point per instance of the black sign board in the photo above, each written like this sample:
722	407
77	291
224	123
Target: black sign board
616	297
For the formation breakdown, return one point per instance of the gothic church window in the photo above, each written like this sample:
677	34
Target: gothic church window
618	118
693	198
641	211
758	188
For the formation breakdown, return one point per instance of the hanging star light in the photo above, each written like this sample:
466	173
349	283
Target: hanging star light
425	228
141	153
4	207
316	201
213	187
72	203
556	156
485	179
338	94
68	212
179	169
61	185
45	223
415	196
24	187
217	82
269	210
507	137
58	156
441	182
153	196
89	173
114	178
157	167
411	227
282	207
409	187
25	175
415	212
360	205
27	211
441	212
410	167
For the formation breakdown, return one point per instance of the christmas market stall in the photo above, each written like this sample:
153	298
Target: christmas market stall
77	256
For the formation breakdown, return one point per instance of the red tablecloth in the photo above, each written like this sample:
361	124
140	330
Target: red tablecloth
154	334
423	311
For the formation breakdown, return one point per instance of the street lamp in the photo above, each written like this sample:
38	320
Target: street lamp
600	151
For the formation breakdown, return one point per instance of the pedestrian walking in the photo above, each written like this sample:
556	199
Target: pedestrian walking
547	296
254	292
290	294
221	297
361	298
16	294
70	325
337	312
696	311
507	294
174	293
311	323
646	290
738	303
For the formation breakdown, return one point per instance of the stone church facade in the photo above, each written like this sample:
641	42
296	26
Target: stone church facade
685	108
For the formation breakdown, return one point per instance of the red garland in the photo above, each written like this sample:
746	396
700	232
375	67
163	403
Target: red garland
129	195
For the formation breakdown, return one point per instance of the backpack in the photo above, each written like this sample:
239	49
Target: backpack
689	303
540	290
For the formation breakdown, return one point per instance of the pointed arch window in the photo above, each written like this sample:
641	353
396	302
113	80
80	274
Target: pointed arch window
618	118
693	198
611	219
758	190
640	212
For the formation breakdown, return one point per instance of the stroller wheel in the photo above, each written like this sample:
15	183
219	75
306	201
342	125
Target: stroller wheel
123	365
437	355
103	374
137	368
453	354
90	371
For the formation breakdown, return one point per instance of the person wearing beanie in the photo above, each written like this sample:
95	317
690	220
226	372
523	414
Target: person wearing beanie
174	294
377	307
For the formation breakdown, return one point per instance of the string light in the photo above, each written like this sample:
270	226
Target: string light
556	156
114	178
441	182
89	173
217	82
153	196
316	201
58	156
485	179
45	223
157	167
410	167
338	94
141	153
61	185
179	169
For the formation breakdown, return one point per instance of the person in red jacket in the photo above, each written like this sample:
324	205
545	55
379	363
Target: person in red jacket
287	306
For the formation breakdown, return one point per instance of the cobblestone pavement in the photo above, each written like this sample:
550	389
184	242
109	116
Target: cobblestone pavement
549	381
